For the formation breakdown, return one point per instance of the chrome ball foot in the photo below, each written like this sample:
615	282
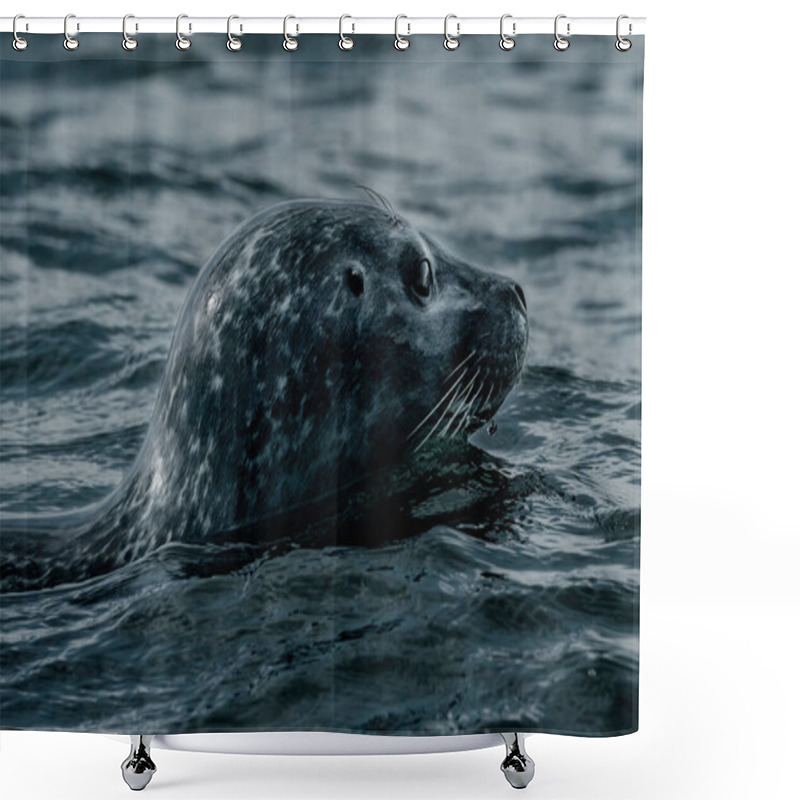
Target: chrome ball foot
138	768
517	766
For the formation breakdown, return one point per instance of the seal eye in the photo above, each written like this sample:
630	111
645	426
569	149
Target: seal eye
355	282
423	278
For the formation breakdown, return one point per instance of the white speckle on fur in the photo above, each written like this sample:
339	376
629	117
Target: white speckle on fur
284	305
157	482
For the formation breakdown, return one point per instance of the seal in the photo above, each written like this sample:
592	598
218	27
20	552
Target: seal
322	342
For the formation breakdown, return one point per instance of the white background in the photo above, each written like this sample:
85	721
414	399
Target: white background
720	601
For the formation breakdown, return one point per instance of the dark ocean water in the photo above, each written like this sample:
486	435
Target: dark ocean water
119	175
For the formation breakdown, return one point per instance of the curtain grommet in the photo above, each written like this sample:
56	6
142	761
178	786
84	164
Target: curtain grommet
129	43
561	43
451	42
19	43
233	44
181	42
345	42
290	44
507	42
70	42
401	42
622	44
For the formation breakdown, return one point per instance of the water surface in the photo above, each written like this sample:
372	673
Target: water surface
120	173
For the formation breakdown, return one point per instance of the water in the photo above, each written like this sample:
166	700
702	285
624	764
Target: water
120	173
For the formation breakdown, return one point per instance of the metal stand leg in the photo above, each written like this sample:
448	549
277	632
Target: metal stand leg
517	766
138	768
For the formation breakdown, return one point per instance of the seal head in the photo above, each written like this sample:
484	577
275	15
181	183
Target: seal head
323	340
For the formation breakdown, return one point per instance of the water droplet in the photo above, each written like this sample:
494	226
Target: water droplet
492	429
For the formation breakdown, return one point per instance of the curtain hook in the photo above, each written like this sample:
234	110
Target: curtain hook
233	44
451	42
70	42
561	44
128	42
288	42
623	45
400	42
345	42
507	42
19	44
181	42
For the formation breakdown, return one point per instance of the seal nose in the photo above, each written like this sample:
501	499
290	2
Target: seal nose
520	296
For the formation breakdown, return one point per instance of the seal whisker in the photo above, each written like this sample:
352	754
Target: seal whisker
475	400
465	400
461	364
465	418
453	418
467	415
457	397
458	416
433	410
379	200
443	413
467	390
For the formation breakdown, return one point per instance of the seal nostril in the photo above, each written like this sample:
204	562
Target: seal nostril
521	296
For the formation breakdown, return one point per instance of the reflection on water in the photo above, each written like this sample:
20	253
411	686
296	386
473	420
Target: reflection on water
515	603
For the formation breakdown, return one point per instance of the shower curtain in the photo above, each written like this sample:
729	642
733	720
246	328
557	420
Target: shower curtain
320	386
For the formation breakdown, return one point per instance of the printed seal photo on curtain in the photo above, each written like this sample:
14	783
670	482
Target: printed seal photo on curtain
320	385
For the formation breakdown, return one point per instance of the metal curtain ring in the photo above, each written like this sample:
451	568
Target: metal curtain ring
507	42
400	42
70	42
451	42
181	42
233	44
623	45
345	42
288	42
19	44
560	44
128	42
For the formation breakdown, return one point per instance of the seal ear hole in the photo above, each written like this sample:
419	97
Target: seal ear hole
355	281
